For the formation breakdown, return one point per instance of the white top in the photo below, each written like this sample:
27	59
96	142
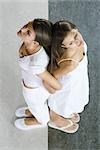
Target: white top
74	95
32	65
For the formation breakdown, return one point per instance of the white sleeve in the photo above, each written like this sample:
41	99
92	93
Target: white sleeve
37	69
24	62
38	64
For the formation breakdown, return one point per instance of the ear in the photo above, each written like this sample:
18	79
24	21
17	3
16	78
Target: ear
36	43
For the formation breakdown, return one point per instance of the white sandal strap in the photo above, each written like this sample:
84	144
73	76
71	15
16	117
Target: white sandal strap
64	127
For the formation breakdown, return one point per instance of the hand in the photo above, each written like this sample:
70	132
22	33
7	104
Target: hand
49	88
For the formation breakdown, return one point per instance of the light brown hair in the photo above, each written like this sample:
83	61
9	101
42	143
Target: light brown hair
59	32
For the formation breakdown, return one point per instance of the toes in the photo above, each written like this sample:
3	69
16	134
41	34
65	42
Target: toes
73	128
75	117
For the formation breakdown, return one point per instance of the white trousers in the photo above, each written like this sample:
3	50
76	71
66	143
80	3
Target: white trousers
36	99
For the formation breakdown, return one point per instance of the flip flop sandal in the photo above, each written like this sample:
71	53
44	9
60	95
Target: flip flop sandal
20	124
75	117
20	112
67	129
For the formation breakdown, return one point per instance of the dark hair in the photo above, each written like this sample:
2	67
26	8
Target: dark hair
59	31
43	31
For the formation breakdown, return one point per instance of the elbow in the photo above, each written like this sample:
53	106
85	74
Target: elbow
52	92
60	87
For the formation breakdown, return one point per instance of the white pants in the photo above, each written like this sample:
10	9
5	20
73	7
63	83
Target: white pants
36	100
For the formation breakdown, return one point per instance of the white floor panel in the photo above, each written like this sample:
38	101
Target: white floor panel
13	14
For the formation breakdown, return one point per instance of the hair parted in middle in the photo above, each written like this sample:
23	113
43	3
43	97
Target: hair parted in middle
59	31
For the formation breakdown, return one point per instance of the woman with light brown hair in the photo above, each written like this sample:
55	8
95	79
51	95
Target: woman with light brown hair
69	66
34	55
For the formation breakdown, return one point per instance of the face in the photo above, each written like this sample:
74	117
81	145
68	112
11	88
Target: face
73	39
26	33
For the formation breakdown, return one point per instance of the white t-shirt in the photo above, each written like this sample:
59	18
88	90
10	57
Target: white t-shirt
32	65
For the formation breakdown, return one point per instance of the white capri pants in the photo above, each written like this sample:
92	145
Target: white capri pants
36	100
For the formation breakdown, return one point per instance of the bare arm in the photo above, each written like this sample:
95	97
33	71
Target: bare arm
67	66
50	80
49	88
64	68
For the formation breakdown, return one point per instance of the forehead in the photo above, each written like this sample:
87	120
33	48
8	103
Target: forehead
28	25
70	36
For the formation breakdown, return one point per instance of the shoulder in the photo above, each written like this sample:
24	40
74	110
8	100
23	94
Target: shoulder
66	58
43	55
68	53
68	63
39	58
40	54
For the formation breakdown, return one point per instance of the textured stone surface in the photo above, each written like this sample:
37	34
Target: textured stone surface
86	15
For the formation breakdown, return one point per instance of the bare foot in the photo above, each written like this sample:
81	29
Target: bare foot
59	120
31	121
28	113
63	124
75	117
71	129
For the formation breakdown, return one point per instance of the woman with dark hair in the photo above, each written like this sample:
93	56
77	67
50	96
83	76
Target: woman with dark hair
69	66
33	59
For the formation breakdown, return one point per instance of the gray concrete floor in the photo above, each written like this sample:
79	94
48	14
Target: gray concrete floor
85	14
10	137
13	14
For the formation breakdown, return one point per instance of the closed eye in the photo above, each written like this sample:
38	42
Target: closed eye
65	48
71	43
25	26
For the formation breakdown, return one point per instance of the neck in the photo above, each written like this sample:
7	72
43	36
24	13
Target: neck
31	48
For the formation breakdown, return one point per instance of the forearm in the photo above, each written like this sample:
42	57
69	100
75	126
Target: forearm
50	80
61	71
49	88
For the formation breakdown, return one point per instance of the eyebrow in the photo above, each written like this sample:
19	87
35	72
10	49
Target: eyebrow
26	25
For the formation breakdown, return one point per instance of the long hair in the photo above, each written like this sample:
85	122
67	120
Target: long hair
43	31
59	31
